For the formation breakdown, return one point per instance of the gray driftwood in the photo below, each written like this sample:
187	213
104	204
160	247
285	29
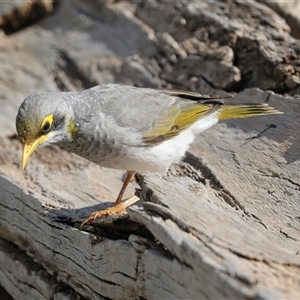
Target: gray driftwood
224	223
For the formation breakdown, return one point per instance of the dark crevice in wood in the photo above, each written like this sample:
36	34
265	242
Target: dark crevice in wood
116	228
166	215
259	221
197	163
276	175
248	140
73	72
27	15
287	235
24	261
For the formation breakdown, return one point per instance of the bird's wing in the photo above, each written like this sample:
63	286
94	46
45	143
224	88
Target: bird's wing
150	115
190	108
193	96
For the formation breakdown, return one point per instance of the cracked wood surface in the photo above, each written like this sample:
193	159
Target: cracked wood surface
224	223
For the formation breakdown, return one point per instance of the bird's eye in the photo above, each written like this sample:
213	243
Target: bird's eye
46	127
46	124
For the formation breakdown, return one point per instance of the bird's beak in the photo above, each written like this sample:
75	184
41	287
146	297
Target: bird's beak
28	149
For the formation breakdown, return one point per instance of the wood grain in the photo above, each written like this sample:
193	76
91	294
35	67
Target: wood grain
222	224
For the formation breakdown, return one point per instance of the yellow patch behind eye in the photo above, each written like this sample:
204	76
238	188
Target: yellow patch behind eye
48	119
72	128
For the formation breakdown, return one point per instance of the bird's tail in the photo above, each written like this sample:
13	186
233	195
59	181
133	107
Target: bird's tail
231	111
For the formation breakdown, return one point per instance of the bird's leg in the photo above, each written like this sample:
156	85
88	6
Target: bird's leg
119	205
128	178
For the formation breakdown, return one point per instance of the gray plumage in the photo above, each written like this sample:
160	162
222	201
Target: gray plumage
108	124
123	127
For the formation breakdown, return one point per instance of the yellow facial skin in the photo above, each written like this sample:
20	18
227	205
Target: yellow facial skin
28	148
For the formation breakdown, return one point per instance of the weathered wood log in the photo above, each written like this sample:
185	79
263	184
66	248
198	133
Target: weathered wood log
16	14
224	223
289	11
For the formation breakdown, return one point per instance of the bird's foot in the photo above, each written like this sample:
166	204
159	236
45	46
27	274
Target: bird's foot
117	209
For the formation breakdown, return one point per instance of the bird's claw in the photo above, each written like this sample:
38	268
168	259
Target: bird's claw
117	209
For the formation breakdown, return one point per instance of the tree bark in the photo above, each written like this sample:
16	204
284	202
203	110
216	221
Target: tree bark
222	224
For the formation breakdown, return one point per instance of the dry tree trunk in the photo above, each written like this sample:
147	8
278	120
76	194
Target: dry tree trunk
224	223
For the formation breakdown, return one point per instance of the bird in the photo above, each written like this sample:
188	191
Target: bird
124	127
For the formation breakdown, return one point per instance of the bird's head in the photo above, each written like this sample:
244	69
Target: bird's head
43	119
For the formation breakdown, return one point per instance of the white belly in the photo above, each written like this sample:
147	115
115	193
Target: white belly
159	158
